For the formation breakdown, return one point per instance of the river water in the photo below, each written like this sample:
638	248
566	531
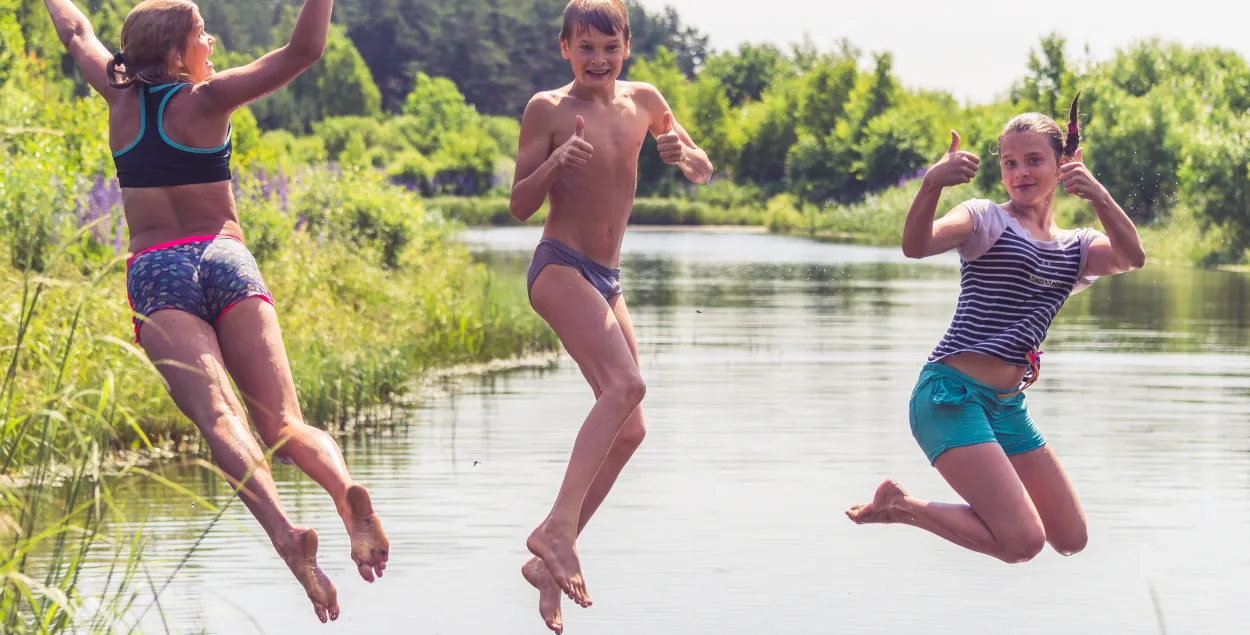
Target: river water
778	375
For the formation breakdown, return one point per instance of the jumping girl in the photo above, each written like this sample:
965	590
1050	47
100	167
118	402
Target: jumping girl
968	410
202	311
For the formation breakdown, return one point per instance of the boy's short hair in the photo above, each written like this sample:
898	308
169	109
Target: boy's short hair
608	16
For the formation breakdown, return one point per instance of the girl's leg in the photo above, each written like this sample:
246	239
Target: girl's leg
251	345
999	520
1055	499
185	350
627	441
592	335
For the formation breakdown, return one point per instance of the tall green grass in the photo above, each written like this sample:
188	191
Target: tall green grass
59	508
58	511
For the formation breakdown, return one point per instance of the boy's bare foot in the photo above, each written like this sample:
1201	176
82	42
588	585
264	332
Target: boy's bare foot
559	552
370	548
536	574
299	551
884	507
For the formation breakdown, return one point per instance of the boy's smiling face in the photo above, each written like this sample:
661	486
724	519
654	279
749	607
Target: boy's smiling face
597	57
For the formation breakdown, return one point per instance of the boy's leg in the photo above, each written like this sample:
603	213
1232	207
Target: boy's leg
627	441
631	434
591	333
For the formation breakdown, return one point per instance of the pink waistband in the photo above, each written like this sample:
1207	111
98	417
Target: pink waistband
179	241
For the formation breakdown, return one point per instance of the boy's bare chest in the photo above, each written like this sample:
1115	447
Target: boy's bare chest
616	137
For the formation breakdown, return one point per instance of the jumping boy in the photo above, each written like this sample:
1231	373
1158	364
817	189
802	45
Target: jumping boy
579	145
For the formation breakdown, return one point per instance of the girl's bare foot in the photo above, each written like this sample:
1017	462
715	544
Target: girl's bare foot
558	551
535	572
299	551
370	548
884	507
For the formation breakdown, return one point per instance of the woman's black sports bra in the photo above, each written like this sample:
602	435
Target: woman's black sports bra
154	160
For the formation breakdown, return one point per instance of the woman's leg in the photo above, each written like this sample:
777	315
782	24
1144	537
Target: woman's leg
251	345
592	335
185	350
999	520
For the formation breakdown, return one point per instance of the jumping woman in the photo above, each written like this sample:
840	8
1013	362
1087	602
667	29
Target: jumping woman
202	311
968	410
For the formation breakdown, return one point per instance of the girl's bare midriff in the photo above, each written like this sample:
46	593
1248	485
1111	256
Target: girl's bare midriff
161	214
987	370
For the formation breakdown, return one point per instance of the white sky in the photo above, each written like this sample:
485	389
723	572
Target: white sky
972	48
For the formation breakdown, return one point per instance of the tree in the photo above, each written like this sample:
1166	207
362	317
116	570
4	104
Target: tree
650	32
1050	84
826	94
656	178
744	75
338	85
769	131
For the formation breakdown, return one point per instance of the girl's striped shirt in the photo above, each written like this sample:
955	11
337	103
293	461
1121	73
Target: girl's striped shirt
1012	285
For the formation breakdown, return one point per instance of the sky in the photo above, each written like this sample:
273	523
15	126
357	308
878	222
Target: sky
974	49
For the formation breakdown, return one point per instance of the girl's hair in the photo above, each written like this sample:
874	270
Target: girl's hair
1064	144
151	31
608	16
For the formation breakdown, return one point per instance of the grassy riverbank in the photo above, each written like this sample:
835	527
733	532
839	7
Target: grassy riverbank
371	291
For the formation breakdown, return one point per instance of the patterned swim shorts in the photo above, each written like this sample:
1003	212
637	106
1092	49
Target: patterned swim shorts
201	275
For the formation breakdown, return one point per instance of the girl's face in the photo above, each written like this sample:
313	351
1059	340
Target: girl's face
1030	171
194	61
597	57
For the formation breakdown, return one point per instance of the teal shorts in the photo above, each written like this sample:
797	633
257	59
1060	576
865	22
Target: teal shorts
950	409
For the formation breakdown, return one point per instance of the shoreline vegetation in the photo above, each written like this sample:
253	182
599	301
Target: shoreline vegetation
877	220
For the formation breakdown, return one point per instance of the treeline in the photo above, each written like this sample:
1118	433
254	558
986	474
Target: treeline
498	53
428	91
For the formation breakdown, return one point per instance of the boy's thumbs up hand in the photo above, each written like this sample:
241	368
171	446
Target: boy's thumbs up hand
575	152
669	144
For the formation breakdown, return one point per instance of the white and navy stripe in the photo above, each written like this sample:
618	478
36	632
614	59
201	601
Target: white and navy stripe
1010	294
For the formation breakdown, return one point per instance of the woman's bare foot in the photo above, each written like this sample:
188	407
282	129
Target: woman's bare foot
299	551
370	548
536	574
884	508
558	551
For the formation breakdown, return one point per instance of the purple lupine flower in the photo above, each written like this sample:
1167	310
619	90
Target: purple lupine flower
283	191
266	185
908	177
118	233
104	201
